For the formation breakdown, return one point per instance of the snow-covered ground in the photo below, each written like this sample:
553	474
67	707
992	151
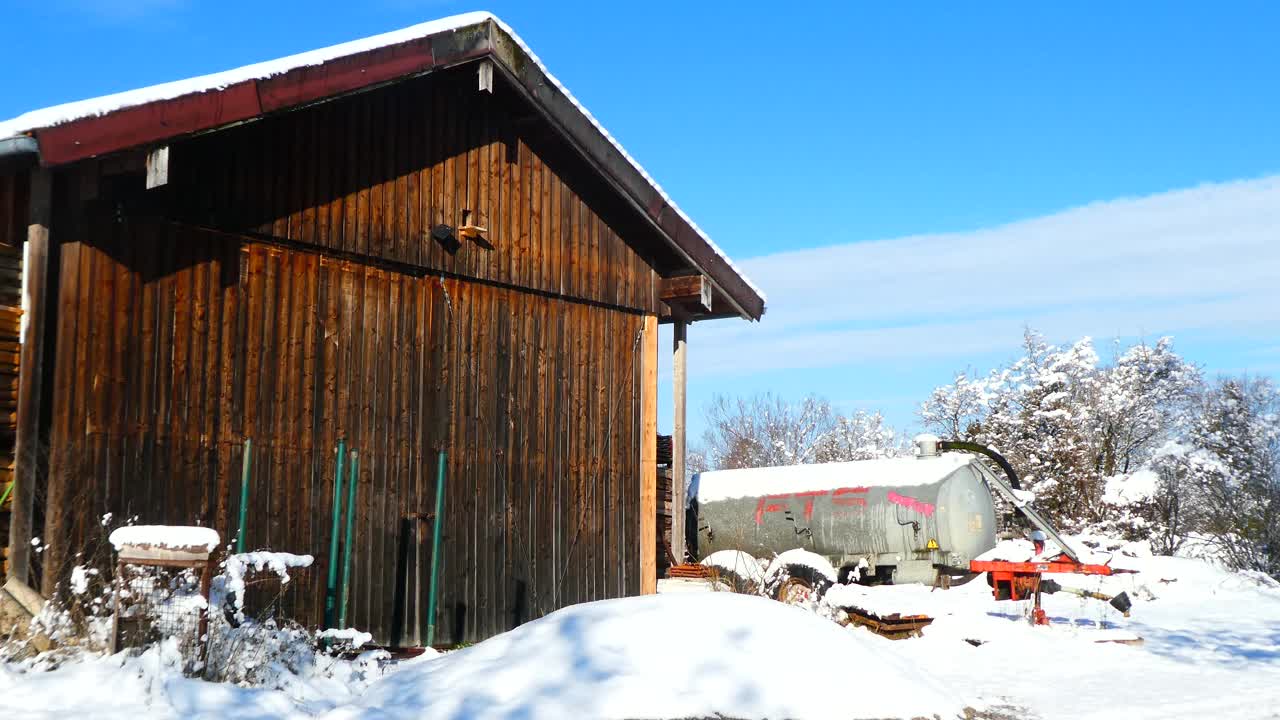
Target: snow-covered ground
666	656
1211	649
151	687
1211	645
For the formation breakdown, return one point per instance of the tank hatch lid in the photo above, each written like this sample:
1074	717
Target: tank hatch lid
716	485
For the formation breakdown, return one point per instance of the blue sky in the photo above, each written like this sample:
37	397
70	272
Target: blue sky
910	183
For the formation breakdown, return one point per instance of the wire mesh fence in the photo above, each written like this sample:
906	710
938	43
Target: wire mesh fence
157	602
224	626
251	627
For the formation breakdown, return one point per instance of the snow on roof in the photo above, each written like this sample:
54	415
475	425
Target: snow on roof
67	112
93	107
889	472
165	536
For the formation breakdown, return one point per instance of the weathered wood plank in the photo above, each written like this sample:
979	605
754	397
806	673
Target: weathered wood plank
648	455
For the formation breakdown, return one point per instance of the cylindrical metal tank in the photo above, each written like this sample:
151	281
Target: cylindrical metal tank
905	517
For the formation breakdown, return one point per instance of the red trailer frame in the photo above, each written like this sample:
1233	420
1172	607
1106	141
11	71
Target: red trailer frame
1012	580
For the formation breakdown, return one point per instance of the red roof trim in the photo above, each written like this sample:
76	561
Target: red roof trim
163	119
148	123
346	74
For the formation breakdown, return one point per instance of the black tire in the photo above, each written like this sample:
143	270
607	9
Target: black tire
736	582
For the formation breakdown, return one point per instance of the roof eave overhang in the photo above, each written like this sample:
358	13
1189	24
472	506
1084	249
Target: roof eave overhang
197	112
630	183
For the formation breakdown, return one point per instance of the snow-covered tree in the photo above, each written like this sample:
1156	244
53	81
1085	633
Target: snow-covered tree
860	436
1145	398
1068	422
767	430
1239	431
952	410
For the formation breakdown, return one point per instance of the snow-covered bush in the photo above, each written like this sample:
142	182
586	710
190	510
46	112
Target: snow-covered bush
277	655
251	650
78	612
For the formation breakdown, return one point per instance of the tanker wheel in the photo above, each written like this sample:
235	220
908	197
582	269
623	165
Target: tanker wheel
802	586
736	582
794	591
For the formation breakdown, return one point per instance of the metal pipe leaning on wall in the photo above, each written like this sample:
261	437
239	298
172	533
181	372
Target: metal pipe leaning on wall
347	538
437	519
331	584
244	492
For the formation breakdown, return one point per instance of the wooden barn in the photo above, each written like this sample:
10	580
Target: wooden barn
413	243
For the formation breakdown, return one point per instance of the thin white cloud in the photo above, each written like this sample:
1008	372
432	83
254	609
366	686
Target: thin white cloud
1204	259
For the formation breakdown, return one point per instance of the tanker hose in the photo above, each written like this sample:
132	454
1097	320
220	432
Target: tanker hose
1120	602
984	450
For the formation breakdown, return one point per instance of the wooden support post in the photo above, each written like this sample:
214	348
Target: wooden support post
649	456
158	167
30	372
680	352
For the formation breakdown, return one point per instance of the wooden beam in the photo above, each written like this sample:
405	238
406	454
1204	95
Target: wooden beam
30	375
693	291
680	352
158	167
649	456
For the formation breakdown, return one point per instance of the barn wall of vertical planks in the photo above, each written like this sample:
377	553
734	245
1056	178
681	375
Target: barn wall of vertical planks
416	243
284	286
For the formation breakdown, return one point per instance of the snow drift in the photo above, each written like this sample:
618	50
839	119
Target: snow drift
667	656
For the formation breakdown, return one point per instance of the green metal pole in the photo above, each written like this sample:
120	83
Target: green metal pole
244	492
435	551
330	591
346	543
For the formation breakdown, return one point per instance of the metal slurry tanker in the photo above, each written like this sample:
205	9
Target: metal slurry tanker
898	520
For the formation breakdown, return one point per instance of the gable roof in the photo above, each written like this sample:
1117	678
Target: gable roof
74	131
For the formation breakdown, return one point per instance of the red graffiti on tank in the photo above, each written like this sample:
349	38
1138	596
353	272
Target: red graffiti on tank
924	508
782	502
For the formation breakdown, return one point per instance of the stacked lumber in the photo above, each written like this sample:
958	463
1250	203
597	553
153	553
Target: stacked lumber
10	323
665	556
694	571
664	450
